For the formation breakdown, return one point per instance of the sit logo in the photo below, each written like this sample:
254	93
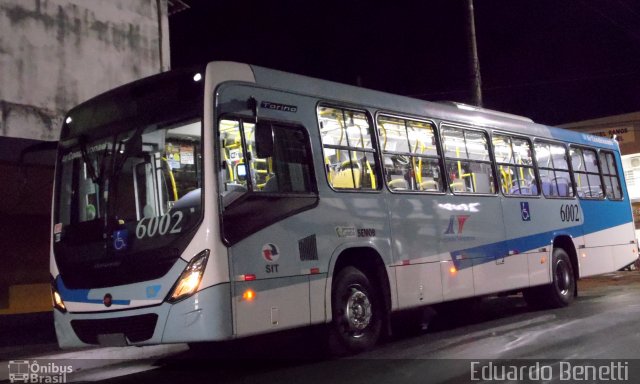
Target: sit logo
271	254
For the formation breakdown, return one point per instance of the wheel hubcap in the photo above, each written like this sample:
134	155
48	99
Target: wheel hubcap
358	311
563	278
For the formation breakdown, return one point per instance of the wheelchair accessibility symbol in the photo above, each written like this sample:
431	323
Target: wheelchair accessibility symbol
120	239
524	211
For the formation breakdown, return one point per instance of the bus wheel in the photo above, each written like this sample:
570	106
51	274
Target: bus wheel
357	313
560	292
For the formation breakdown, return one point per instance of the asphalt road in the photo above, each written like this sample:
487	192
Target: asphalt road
600	328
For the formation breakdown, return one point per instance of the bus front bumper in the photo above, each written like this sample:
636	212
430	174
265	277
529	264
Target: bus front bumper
205	316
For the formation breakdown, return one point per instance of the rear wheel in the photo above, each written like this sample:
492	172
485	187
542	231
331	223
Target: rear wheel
357	313
560	293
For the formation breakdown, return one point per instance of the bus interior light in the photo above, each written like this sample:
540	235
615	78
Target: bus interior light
190	278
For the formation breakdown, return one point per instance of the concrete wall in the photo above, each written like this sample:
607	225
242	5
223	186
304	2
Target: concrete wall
55	54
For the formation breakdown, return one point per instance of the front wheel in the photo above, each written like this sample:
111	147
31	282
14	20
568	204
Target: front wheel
560	293
357	313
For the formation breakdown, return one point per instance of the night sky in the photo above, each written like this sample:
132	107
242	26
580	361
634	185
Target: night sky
556	61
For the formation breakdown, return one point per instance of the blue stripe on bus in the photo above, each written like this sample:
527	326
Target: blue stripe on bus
617	213
582	138
81	295
594	211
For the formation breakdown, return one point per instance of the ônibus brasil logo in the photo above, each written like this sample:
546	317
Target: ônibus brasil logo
25	371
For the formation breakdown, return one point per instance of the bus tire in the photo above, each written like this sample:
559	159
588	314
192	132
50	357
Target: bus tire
357	313
560	293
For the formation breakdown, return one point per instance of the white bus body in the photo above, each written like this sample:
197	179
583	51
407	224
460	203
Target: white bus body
311	202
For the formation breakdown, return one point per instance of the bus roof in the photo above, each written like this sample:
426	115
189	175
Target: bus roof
447	111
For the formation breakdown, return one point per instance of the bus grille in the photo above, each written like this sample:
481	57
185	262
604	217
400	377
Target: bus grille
135	328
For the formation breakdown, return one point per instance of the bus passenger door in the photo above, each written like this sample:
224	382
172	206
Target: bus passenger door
268	197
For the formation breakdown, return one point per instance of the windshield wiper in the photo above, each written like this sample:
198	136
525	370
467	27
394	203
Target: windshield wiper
96	176
85	157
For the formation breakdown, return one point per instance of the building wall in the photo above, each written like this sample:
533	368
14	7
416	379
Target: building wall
55	54
624	127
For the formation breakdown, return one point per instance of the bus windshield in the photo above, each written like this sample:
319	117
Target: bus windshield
125	194
134	175
128	178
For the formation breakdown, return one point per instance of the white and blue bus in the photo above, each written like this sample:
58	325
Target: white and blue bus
212	205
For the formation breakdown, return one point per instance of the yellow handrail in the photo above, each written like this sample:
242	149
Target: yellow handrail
173	180
372	176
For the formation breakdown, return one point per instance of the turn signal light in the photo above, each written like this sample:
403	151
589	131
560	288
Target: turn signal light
249	295
56	298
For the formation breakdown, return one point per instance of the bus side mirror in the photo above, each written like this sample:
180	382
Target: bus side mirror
264	139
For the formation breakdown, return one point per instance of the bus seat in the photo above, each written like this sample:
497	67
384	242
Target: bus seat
429	185
596	192
521	190
458	186
561	186
563	189
271	185
345	177
398	184
233	192
546	188
189	200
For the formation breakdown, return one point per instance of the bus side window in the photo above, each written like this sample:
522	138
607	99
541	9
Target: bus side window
515	165
284	168
467	161
348	148
553	165
610	176
411	157
288	169
584	163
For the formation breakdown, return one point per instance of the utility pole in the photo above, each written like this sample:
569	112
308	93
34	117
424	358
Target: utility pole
474	63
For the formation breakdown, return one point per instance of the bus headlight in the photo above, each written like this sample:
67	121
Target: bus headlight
56	298
190	278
